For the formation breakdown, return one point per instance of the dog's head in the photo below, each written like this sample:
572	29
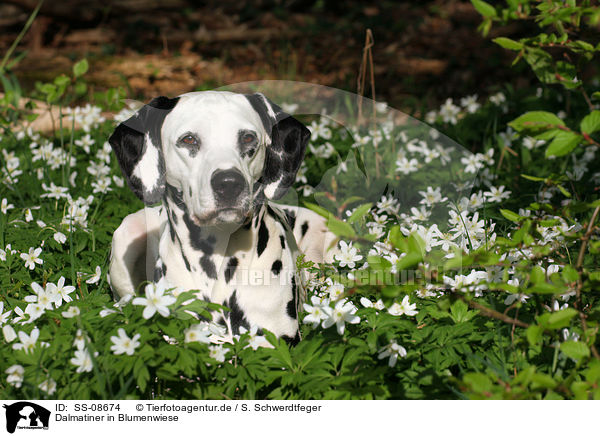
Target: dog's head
221	151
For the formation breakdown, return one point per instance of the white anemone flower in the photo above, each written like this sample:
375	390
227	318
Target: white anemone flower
123	344
393	351
48	386
403	308
348	255
32	257
44	298
217	352
60	291
16	375
155	301
95	277
28	342
342	313
316	312
83	360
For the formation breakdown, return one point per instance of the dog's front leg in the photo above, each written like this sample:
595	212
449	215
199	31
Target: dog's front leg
134	251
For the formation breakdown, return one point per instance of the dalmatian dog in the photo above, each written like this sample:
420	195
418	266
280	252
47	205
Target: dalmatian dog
207	165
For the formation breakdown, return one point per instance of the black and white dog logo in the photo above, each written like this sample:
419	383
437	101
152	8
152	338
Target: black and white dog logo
26	415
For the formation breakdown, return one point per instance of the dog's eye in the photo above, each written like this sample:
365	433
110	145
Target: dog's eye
189	140
248	138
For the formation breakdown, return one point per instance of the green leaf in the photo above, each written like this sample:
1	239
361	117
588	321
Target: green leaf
510	215
318	209
536	120
561	319
541	63
575	350
141	373
537	275
591	123
566	74
570	274
563	143
62	80
340	228
479	382
485	9
508	43
80	88
546	288
542	380
548	134
533	178
563	190
48	88
584	45
378	263
460	312
534	334
80	68
360	212
409	261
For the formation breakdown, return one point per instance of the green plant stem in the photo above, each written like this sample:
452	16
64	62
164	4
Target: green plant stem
586	238
579	266
20	36
491	313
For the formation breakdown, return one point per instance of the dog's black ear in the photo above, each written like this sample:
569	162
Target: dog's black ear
137	144
283	156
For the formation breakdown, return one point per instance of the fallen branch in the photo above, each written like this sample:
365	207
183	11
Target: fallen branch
491	313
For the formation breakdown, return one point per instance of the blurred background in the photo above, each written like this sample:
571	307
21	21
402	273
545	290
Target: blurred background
423	52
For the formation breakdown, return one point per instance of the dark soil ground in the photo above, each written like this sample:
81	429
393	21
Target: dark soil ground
423	52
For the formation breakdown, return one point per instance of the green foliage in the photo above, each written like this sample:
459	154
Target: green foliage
513	313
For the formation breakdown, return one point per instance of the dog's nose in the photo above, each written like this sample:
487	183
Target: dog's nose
227	184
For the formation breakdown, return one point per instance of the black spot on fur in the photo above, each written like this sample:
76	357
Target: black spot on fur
172	230
176	196
304	228
276	267
174	217
236	315
294	300
283	157
129	144
160	271
208	266
282	240
263	238
157	274
196	241
259	104
290	308
292	341
230	268
291	218
186	261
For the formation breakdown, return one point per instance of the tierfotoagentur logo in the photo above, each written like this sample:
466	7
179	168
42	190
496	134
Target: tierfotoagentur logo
25	415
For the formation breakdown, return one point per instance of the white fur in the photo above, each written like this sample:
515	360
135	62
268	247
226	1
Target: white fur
143	242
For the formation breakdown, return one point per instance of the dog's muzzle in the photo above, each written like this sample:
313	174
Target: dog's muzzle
228	186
